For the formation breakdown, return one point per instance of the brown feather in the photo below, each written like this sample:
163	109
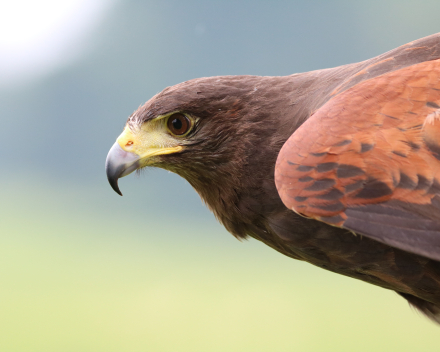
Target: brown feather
397	116
243	122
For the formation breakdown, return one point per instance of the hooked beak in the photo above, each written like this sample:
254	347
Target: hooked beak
120	163
134	150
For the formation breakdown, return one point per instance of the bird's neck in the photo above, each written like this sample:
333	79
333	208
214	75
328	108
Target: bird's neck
238	186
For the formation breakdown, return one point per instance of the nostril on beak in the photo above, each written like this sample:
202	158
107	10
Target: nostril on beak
129	143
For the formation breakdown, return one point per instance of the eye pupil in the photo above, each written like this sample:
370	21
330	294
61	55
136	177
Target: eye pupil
178	124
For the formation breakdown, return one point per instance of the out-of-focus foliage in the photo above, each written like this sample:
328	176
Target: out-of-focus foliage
82	269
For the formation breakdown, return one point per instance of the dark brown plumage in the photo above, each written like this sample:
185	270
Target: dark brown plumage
359	150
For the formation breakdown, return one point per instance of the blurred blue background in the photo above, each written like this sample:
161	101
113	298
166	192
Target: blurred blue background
82	269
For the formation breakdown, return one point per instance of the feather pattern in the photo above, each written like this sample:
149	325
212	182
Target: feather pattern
359	155
390	192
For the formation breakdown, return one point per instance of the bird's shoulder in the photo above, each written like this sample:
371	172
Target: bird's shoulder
369	158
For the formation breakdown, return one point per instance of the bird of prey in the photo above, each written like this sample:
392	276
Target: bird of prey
337	167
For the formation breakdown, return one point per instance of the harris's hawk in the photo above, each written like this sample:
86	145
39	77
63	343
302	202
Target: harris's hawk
337	167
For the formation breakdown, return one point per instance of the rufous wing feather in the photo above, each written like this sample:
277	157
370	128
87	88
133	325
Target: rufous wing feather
369	160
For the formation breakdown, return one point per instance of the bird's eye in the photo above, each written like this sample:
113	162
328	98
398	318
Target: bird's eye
178	124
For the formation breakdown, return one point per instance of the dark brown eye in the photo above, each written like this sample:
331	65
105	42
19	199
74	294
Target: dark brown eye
178	124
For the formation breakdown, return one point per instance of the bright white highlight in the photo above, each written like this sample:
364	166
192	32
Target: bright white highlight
37	37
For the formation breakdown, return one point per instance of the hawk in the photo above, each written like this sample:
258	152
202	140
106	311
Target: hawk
337	167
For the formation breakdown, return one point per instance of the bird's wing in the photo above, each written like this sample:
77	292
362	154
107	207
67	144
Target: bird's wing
369	160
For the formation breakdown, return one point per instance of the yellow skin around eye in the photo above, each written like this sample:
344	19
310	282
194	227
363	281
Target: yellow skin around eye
151	139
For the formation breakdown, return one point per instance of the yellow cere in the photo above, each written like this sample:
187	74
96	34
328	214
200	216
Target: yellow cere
151	139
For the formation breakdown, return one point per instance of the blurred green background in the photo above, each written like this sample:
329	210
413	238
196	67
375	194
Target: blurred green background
82	269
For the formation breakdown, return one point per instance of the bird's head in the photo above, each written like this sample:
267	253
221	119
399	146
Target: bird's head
222	134
192	126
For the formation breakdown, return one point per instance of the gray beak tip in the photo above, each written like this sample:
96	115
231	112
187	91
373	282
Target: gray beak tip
115	186
119	163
